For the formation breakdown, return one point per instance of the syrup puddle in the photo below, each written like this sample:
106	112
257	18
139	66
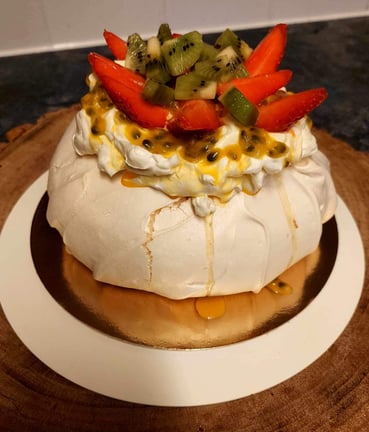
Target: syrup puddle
210	307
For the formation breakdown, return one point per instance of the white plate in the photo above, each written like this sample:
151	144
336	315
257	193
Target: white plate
152	376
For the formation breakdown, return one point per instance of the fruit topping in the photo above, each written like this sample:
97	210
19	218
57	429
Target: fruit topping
117	46
195	115
136	53
227	64
164	33
279	115
257	88
157	93
155	66
133	104
182	53
181	83
267	56
239	106
193	86
229	38
105	67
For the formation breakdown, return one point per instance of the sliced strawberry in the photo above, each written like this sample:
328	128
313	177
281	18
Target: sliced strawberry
268	54
117	46
130	102
279	115
103	66
257	88
195	115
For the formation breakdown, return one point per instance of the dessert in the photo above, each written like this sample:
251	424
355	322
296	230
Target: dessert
190	171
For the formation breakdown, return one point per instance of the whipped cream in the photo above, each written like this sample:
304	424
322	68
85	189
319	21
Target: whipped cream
228	170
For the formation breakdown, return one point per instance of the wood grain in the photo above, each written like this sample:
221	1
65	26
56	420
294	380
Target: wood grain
330	395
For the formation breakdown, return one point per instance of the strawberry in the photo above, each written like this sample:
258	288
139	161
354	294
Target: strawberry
117	46
103	66
279	115
124	87
267	56
195	115
257	88
133	105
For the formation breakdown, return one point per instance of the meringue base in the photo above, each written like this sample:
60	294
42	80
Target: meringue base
141	238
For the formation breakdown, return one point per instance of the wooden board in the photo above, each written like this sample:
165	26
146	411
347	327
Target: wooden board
330	395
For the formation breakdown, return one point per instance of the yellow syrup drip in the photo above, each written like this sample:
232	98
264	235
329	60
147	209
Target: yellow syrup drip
128	178
210	307
290	216
209	236
279	287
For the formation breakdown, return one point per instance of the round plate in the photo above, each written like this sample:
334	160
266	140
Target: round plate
136	373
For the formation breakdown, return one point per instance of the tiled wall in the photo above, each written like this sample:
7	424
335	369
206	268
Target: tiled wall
42	25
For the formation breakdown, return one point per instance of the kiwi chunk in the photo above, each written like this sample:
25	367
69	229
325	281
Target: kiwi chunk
157	93
164	33
229	38
136	53
209	52
239	106
181	53
155	67
224	67
192	86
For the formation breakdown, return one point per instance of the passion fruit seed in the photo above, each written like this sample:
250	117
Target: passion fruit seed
279	149
147	143
211	157
98	126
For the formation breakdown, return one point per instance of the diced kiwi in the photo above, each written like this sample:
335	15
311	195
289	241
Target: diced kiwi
229	38
192	86
157	93
239	106
209	52
164	33
155	67
136	53
181	53
226	66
